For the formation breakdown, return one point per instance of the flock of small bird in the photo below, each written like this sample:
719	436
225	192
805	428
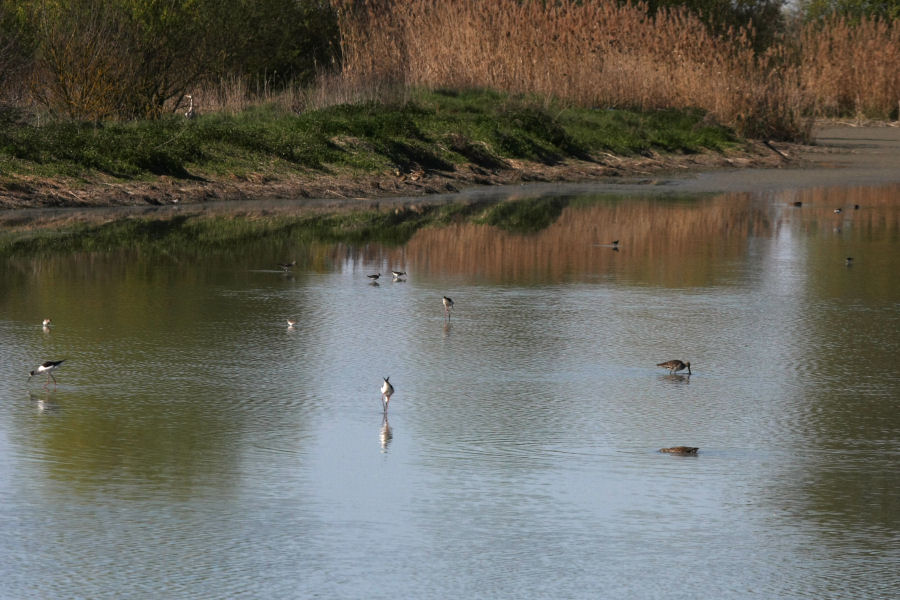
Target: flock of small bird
387	388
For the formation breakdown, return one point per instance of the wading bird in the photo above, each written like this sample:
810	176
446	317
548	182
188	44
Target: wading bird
387	390
48	368
374	276
675	365
448	306
398	274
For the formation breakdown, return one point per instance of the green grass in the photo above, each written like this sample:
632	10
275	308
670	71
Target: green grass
436	131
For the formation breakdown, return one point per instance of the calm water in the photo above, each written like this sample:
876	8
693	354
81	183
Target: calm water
195	447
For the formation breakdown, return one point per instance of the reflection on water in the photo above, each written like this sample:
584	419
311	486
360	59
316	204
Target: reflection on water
200	447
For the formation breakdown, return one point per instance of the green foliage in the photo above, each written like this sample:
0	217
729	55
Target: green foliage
765	17
813	10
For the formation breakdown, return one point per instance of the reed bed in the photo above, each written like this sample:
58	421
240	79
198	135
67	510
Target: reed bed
590	53
597	53
853	68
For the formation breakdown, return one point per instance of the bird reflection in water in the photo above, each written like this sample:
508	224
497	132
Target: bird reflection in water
675	378
43	403
386	434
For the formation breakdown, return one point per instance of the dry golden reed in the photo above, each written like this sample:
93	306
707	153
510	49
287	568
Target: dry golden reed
597	53
592	53
853	68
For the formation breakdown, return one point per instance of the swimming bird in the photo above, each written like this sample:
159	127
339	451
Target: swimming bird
387	390
675	365
48	368
798	203
46	322
292	323
838	211
374	277
448	305
848	261
287	266
856	207
680	450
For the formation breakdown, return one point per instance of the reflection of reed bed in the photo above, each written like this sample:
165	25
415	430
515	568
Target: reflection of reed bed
655	237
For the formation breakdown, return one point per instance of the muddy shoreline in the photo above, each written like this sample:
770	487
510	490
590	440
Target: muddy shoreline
841	155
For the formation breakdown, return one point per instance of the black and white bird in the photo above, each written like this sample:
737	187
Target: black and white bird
292	323
374	276
448	306
675	365
387	390
398	274
287	266
46	323
48	368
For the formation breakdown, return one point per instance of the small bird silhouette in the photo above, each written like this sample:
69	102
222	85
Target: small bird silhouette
287	266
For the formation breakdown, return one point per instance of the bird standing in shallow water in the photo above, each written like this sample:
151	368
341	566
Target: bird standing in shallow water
387	390
448	305
374	276
398	274
48	368
675	365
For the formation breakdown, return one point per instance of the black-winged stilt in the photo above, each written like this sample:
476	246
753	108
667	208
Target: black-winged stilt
448	305
387	390
48	368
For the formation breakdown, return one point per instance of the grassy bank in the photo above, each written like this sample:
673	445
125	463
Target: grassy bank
431	131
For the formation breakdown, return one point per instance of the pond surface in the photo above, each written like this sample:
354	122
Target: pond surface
195	447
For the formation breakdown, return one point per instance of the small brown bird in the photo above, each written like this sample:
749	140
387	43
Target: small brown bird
675	365
680	450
